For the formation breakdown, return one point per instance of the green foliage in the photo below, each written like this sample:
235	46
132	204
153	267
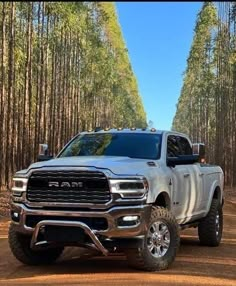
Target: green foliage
206	109
70	72
199	76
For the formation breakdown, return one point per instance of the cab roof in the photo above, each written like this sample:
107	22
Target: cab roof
131	130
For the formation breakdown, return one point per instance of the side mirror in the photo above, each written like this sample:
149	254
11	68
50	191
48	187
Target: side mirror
199	149
182	160
44	153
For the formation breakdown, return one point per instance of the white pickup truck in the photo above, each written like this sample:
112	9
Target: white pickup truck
117	190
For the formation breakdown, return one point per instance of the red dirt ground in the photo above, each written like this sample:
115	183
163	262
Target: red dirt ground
194	265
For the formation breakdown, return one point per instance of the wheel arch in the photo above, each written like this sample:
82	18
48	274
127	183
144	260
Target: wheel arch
163	200
215	193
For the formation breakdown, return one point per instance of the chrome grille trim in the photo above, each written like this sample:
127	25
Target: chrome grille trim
95	187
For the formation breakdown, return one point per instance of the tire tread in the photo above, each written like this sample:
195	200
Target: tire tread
206	228
20	247
137	258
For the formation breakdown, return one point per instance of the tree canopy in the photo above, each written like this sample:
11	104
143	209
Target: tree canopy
64	68
206	109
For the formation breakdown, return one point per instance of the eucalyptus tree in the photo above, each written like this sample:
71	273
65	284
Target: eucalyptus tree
64	68
206	108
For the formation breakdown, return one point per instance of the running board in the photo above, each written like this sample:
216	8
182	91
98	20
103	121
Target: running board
188	225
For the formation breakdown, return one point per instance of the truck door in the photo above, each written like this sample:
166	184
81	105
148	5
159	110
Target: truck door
195	180
180	182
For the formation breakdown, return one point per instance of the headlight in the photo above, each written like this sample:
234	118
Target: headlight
19	186
129	188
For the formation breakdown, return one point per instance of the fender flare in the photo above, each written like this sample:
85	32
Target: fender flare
166	198
215	185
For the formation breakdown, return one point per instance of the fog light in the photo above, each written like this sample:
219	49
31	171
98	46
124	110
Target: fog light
128	221
130	218
15	216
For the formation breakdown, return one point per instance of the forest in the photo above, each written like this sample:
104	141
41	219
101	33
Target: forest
64	68
206	109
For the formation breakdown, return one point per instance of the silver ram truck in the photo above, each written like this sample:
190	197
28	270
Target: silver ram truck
119	190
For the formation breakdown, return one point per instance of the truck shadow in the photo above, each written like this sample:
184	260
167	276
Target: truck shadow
194	263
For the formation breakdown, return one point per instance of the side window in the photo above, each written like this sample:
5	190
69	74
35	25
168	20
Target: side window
185	146
173	149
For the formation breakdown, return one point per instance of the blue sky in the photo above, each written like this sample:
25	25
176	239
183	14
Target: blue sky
158	36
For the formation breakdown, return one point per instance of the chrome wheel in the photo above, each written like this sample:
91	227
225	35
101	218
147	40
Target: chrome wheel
158	239
217	223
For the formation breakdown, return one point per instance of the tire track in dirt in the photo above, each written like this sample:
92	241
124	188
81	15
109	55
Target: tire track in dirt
194	265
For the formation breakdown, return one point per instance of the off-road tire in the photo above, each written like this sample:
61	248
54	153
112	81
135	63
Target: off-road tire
20	247
141	258
207	228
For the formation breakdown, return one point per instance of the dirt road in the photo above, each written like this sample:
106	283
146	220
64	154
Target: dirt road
194	265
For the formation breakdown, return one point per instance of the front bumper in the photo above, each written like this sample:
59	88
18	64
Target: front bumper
71	217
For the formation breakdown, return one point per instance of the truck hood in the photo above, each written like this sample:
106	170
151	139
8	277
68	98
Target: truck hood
117	165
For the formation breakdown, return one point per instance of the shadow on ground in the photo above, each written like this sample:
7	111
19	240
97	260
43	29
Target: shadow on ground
194	265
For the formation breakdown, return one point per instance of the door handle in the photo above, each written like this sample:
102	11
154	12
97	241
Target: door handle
201	174
186	175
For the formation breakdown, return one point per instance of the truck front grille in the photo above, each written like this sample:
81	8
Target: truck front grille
68	187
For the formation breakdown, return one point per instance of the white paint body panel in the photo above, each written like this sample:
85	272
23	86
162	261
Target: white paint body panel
190	188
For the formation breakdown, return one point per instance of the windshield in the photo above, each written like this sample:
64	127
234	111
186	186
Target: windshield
135	145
